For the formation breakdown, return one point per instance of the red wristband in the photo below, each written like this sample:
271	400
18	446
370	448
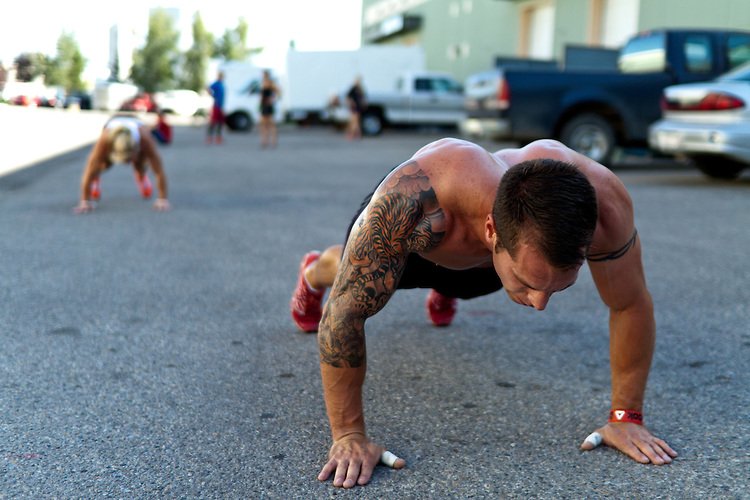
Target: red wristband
632	416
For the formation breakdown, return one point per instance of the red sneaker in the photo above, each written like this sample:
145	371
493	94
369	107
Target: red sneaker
306	305
144	185
440	308
96	190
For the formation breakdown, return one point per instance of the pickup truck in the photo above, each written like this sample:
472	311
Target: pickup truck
594	112
424	98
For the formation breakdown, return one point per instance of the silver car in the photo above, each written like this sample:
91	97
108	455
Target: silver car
708	122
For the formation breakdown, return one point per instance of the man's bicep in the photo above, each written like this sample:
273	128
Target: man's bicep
372	265
620	280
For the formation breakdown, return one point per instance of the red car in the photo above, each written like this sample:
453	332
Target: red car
142	103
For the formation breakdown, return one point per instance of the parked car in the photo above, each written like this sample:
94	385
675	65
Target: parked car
142	103
596	111
709	123
183	102
77	99
425	98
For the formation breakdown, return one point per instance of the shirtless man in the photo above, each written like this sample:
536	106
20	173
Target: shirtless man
465	222
125	139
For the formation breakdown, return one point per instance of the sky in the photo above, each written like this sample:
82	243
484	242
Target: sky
312	24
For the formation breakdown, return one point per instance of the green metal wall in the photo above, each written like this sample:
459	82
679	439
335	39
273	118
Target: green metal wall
492	27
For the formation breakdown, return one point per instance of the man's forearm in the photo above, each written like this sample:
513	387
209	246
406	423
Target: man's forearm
632	338
161	185
342	390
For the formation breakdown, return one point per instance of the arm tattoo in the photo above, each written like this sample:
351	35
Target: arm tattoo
604	256
405	219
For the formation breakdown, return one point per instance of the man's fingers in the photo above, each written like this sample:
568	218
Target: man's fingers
392	461
664	446
352	474
327	469
655	453
341	470
592	441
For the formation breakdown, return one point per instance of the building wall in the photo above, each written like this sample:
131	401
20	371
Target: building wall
465	36
695	14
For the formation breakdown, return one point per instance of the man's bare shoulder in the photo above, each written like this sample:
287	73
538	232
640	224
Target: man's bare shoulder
447	148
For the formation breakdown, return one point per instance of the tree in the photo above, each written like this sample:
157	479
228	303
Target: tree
232	46
67	67
195	64
154	64
30	66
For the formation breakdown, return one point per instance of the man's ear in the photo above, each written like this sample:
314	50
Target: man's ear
489	230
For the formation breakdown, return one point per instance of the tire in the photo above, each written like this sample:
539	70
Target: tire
590	135
717	167
239	121
372	123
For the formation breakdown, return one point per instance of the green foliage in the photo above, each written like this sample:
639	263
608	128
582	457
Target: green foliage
29	66
66	68
232	46
195	64
154	64
158	65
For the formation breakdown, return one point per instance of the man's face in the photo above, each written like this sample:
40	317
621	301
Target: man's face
529	279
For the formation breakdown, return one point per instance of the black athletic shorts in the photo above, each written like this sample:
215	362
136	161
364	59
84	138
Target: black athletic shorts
421	273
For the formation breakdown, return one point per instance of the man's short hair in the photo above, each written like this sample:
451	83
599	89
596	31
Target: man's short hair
122	145
548	204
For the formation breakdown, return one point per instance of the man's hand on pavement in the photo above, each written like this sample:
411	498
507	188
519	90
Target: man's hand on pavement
83	207
636	441
161	205
353	458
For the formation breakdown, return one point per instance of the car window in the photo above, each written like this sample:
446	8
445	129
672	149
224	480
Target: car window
423	84
697	51
644	54
738	74
446	85
738	49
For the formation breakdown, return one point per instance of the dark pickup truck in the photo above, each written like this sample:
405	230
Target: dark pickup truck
595	111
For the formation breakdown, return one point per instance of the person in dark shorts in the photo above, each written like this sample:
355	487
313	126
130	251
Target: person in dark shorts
216	118
269	94
357	102
464	222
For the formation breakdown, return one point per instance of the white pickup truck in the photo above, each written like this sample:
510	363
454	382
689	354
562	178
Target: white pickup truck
419	99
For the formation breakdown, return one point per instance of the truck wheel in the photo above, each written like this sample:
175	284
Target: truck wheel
372	123
591	135
717	167
239	121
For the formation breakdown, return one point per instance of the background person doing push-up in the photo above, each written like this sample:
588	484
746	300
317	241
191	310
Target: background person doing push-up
125	139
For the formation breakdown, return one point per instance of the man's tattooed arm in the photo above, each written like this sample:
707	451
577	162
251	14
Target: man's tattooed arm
404	219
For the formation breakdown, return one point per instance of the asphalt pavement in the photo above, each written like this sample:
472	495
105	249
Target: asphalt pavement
151	355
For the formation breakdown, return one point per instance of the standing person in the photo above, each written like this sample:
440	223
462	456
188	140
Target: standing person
216	119
269	94
357	103
464	222
124	139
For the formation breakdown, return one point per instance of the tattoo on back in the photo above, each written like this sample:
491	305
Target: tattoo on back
403	219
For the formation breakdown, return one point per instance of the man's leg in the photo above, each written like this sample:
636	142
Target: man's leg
316	273
321	273
142	180
96	189
446	286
